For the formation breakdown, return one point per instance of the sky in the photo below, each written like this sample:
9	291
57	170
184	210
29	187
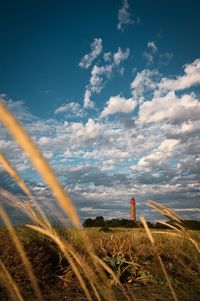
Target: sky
109	91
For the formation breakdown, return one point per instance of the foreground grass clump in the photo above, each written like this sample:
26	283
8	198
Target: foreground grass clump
127	252
42	253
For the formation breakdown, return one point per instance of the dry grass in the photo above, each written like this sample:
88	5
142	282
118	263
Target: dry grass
98	262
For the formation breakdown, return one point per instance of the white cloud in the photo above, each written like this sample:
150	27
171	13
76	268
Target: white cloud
115	153
101	74
71	108
107	56
96	49
92	129
118	104
189	79
120	56
87	209
121	71
148	83
170	108
68	153
43	140
159	156
87	102
145	82
124	16
151	53
148	57
82	133
97	81
153	56
108	165
48	155
190	127
97	75
152	46
18	108
167	145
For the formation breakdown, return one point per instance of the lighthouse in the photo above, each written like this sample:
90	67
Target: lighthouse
133	211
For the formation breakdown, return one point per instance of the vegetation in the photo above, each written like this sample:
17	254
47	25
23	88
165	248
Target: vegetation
44	262
99	221
127	252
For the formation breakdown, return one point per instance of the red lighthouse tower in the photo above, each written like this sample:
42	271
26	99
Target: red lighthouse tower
133	211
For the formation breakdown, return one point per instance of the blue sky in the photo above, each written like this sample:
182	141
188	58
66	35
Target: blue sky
109	90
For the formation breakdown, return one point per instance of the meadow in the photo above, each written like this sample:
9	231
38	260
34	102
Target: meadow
128	252
41	261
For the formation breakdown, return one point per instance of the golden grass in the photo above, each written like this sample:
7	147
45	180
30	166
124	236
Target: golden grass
39	162
152	240
13	173
178	226
10	283
21	252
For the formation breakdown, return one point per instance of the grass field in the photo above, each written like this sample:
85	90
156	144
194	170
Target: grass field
128	252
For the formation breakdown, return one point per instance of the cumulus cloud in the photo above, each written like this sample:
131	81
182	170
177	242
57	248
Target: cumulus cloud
90	130
190	78
120	56
152	46
118	104
107	56
148	57
124	16
159	156
97	75
97	81
96	49
87	102
170	108
101	74
149	83
71	108
152	55
144	83
44	140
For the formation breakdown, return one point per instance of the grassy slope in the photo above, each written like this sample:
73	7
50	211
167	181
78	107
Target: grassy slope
129	254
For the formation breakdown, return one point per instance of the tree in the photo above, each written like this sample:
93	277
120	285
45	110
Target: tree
99	222
88	223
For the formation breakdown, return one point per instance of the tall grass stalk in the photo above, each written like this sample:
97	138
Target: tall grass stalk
34	212
178	225
25	205
10	283
150	236
39	162
69	253
20	249
13	173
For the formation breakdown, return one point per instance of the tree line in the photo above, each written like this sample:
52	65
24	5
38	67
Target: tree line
99	221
